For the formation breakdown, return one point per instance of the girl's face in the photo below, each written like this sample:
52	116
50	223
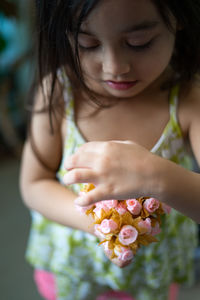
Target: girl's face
124	47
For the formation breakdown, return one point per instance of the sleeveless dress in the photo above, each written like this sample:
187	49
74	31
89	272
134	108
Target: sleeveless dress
81	269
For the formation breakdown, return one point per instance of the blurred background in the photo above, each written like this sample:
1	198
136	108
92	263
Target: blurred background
17	67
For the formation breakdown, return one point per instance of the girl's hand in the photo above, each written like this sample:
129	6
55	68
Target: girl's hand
119	170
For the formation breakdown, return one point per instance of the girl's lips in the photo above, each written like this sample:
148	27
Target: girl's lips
121	85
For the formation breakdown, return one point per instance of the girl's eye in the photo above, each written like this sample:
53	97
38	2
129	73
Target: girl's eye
87	48
141	47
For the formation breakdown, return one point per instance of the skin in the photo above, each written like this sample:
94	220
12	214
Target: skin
117	157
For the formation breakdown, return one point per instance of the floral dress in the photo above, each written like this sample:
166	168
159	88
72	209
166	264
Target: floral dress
81	269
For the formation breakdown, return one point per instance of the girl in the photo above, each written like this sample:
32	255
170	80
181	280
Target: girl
113	71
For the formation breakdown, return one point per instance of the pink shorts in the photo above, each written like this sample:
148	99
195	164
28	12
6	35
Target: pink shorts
46	285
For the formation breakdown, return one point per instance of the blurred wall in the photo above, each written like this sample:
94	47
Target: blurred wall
16	66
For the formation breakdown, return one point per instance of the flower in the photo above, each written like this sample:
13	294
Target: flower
151	205
106	248
121	208
98	232
110	203
98	209
124	254
127	255
134	206
108	226
128	234
145	225
124	226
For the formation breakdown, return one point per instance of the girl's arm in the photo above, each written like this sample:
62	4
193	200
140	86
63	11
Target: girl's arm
124	170
39	187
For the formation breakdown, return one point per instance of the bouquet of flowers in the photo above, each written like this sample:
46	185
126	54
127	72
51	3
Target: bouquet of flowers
124	226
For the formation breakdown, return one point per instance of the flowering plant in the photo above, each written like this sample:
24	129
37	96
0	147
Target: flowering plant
124	226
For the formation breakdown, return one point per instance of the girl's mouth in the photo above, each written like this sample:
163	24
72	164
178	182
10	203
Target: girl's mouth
121	85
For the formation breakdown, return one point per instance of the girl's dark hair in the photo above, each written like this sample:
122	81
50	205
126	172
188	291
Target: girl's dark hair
59	19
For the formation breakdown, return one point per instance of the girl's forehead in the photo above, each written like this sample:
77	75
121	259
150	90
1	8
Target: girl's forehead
121	15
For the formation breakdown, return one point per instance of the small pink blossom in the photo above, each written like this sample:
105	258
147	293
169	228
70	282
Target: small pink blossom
156	229
98	208
98	232
145	225
121	208
151	205
127	255
110	203
128	234
167	209
106	248
134	206
108	226
97	211
124	254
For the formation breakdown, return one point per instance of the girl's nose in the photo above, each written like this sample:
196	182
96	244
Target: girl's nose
115	63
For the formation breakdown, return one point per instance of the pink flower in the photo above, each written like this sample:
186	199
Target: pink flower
121	208
127	255
124	254
106	248
108	226
110	203
156	229
99	206
98	232
151	205
97	211
167	209
145	225
134	206
127	235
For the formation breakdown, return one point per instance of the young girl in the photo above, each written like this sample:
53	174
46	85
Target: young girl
123	76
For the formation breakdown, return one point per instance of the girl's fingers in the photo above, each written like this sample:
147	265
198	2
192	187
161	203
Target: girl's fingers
79	176
79	160
74	161
84	156
91	197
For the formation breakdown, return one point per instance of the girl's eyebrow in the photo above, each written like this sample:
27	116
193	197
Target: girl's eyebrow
145	25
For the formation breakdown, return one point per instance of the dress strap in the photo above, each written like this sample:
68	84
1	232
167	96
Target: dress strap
67	93
173	103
